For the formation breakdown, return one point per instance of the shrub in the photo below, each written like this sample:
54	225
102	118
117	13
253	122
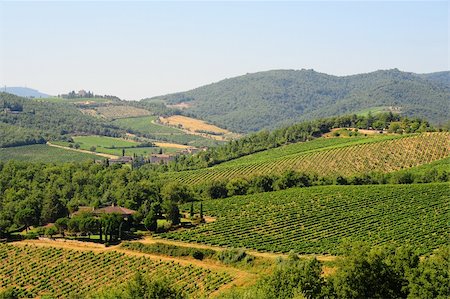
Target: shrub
233	256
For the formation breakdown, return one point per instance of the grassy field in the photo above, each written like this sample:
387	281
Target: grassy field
199	127
380	154
377	110
43	153
319	219
62	273
110	145
145	125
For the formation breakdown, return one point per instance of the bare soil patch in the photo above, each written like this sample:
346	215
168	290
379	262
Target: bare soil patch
172	145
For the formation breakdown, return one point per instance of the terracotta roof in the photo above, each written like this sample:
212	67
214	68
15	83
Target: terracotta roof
83	209
115	210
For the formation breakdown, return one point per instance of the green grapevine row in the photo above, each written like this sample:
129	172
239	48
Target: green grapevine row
318	219
386	155
38	271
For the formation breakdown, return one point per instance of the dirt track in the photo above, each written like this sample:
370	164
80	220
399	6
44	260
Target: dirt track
83	151
269	255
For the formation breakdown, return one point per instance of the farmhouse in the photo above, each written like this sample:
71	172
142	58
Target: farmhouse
193	150
121	160
82	209
113	209
161	158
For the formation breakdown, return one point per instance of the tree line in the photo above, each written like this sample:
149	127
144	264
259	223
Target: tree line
300	132
33	194
37	194
361	272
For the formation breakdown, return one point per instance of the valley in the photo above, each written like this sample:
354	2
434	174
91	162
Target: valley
100	196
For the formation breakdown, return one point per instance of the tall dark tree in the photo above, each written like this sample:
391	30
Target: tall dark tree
52	207
172	211
151	220
25	217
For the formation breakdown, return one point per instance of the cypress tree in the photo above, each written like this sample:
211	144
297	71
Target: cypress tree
191	212
201	212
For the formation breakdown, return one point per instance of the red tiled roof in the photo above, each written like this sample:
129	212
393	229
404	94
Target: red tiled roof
114	210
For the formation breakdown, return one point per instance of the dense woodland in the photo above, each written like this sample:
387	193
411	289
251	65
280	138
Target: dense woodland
275	98
37	121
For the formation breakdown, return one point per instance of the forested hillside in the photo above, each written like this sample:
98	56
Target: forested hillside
25	121
274	98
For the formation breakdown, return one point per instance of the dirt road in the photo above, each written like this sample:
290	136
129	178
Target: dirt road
83	151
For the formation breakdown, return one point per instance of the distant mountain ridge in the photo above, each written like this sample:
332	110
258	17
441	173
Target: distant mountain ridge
24	92
274	98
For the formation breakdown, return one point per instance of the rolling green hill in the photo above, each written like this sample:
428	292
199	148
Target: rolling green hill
274	98
146	126
39	272
43	153
330	157
318	219
37	120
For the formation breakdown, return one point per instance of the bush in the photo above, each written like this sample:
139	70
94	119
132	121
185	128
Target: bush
145	287
432	279
10	293
31	236
171	250
198	255
294	279
233	256
50	231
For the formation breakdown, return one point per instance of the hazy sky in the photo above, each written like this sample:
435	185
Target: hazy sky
142	49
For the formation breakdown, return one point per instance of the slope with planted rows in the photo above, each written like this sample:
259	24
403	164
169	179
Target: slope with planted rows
359	157
319	219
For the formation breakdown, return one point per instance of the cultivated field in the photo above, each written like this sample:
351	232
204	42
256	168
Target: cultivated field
146	125
368	155
319	219
115	112
62	273
43	153
192	124
110	145
198	127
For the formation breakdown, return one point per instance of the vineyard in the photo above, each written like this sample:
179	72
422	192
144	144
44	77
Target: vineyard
318	219
43	153
114	112
61	273
109	145
365	155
